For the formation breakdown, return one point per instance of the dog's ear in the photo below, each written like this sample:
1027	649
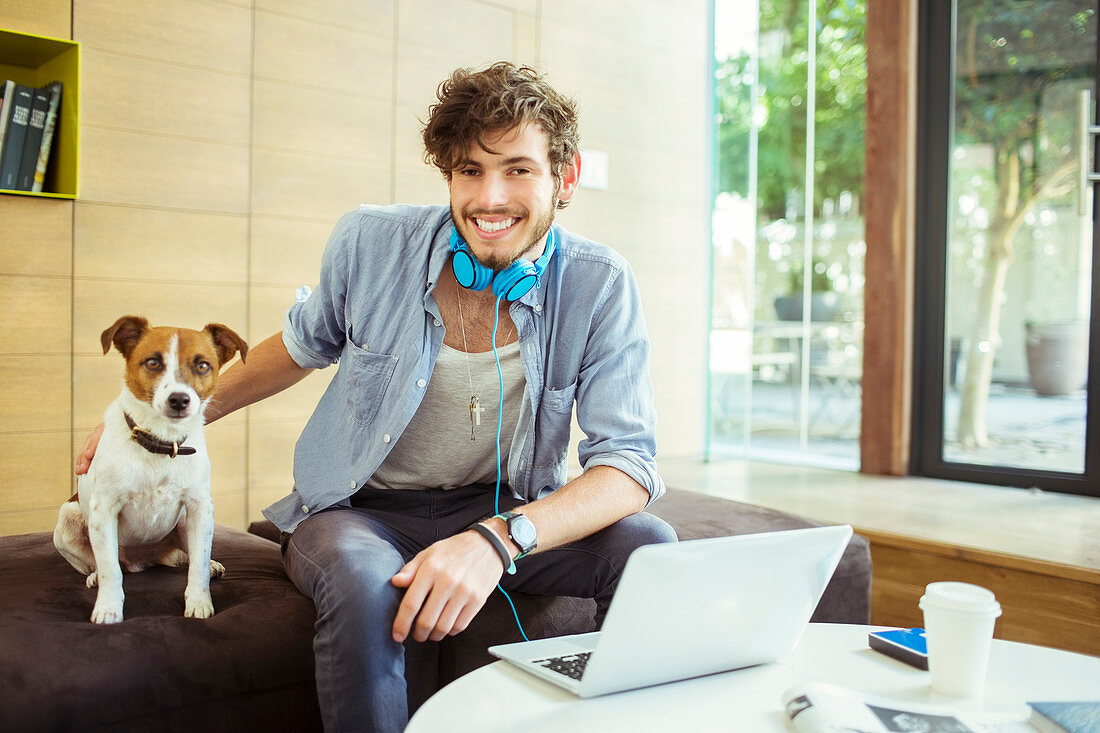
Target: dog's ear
226	341
124	334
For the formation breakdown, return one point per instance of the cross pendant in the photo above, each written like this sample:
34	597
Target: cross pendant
475	414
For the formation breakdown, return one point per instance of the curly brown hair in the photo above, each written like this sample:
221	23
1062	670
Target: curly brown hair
475	105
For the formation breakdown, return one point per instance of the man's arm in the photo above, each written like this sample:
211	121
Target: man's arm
269	370
596	499
448	582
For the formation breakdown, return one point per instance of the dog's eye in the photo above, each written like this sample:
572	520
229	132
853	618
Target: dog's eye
153	363
202	367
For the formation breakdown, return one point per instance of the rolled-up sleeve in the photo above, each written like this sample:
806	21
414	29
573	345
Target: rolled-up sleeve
315	329
614	390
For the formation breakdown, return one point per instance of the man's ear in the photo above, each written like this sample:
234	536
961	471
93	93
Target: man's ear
570	179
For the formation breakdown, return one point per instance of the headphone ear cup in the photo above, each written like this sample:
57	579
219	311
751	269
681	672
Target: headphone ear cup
470	273
514	282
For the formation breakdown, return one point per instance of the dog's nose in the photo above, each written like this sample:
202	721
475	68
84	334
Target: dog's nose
179	401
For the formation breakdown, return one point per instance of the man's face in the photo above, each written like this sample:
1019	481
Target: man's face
503	201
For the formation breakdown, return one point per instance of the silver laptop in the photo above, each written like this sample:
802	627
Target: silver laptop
693	608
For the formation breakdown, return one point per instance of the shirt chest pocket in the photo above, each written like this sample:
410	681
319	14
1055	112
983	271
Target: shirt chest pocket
369	376
555	419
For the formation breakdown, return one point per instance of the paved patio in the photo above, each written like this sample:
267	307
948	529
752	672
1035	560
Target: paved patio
1025	430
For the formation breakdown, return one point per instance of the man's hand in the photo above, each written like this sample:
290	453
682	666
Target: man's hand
87	453
447	584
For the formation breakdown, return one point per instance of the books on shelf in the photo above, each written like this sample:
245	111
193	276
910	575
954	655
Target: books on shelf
1066	717
28	121
35	125
817	707
17	113
43	158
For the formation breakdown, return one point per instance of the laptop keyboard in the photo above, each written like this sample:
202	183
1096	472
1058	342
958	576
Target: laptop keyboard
570	665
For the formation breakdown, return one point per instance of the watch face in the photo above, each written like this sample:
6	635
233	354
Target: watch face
522	532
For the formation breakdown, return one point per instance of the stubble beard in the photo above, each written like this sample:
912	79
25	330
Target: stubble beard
497	262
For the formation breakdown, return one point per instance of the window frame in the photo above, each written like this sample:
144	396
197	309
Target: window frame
935	92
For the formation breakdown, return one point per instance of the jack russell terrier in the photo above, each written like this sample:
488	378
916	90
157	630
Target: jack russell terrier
146	500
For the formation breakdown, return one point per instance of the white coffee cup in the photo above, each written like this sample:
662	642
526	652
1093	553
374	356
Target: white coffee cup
958	626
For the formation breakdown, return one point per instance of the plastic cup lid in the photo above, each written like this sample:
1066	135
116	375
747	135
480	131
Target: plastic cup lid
964	597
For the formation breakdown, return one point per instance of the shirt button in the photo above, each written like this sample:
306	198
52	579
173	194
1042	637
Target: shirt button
420	383
538	309
438	322
386	438
305	509
353	484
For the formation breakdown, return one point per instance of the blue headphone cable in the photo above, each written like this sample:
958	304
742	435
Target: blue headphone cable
500	423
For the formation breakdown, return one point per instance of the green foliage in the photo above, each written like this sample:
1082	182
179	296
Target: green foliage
1008	56
820	281
782	104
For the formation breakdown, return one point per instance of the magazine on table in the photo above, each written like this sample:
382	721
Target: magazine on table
817	707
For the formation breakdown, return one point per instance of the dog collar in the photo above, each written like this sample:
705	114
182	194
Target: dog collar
153	444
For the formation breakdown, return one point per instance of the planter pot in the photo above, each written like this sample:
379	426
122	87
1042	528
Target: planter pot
1057	356
823	307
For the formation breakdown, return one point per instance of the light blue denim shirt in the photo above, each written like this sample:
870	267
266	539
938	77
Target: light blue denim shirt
582	336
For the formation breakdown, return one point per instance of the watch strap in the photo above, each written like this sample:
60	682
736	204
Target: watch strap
491	536
506	517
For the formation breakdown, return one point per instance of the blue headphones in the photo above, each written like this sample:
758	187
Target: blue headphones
511	283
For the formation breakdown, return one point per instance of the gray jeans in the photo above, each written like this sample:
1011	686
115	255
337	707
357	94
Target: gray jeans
343	559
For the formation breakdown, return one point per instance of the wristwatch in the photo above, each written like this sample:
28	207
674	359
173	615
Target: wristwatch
521	531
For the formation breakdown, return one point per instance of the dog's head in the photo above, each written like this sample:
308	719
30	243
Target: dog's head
173	370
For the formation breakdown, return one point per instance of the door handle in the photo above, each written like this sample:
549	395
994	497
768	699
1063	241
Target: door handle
1086	134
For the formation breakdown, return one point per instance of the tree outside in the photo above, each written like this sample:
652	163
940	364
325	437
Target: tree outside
1012	59
780	109
1018	65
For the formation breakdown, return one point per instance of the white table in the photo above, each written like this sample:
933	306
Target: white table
499	697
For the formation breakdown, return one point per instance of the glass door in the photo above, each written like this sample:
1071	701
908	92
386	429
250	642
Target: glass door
1006	242
787	263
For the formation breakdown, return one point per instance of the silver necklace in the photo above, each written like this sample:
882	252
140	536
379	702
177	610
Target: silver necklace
475	404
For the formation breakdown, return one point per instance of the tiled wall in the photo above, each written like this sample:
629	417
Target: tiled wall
220	140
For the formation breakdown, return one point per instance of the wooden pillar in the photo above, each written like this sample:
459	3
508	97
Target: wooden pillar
888	208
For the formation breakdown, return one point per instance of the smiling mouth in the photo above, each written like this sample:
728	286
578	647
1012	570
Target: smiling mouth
491	227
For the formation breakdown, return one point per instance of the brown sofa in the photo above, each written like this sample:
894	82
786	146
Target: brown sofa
250	666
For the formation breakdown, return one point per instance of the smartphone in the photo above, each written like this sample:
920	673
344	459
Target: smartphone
905	645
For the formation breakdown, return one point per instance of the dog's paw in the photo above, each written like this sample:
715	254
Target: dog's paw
197	605
217	570
106	613
106	617
91	581
199	610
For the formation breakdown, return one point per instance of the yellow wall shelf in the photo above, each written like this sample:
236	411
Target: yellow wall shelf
36	61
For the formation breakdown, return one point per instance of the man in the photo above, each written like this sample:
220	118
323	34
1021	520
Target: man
393	525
